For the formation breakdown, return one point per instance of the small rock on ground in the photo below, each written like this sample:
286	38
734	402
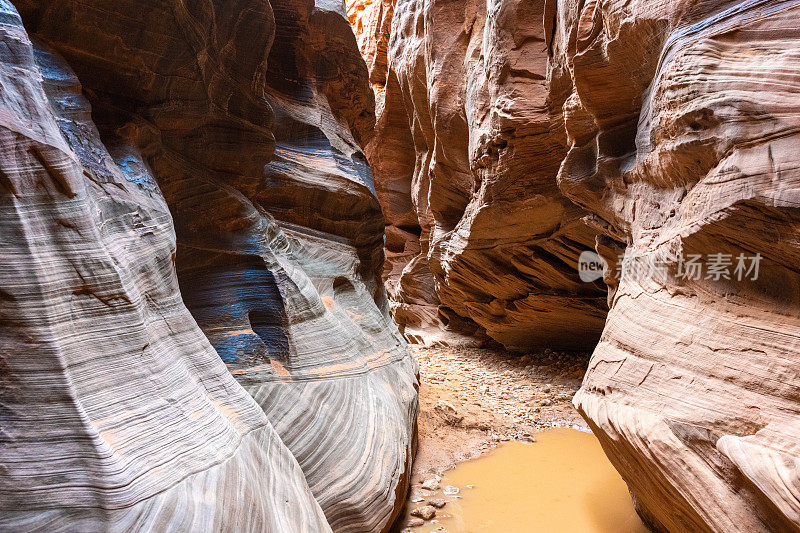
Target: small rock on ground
437	502
426	513
431	484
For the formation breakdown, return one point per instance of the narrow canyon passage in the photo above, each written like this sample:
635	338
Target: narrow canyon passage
517	141
501	407
368	266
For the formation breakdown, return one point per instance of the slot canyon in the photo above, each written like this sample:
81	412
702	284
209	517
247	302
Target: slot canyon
399	265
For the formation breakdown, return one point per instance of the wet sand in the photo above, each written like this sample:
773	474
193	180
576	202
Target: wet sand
471	399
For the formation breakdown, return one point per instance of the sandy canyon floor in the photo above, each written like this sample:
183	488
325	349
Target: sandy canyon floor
473	399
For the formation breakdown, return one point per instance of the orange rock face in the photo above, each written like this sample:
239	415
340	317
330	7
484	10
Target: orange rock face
372	25
682	120
479	239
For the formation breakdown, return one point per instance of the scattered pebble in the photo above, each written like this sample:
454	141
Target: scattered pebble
415	522
448	412
437	502
419	492
431	484
450	490
447	406
426	512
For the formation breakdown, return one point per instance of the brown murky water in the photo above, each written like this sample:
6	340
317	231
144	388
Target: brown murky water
561	483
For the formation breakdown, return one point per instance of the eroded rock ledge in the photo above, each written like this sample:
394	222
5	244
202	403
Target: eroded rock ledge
221	155
478	238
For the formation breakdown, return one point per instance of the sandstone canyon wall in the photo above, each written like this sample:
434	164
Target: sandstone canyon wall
219	164
116	411
682	120
674	126
478	238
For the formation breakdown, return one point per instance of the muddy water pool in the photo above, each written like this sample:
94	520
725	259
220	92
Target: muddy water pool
561	483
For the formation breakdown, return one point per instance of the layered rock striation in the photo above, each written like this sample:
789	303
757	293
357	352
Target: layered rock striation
682	120
117	414
240	126
479	238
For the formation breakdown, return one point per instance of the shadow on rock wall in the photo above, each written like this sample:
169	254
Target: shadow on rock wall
277	248
480	241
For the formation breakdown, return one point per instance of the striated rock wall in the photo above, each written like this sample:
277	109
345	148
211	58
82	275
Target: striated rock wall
479	239
250	119
682	120
116	412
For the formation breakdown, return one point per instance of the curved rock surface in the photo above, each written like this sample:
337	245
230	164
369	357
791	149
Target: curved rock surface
279	239
117	414
683	123
479	238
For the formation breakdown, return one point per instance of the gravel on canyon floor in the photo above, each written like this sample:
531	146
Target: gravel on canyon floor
471	399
